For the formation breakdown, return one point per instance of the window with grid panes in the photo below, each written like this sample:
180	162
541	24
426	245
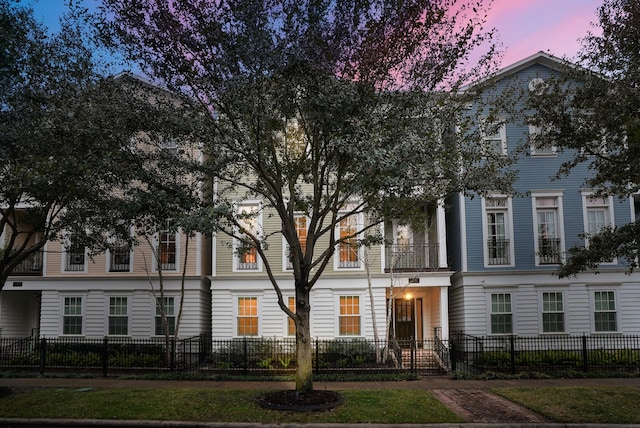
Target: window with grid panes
247	316
169	311
291	325
72	316
167	250
349	319
552	312
348	247
118	316
501	316
605	311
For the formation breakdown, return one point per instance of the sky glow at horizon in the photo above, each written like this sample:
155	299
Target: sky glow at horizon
524	26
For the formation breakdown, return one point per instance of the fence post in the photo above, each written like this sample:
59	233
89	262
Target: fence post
453	357
317	368
513	354
172	362
245	358
43	354
585	355
105	356
412	350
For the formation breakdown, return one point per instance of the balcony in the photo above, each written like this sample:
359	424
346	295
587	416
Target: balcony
412	257
498	251
32	265
549	251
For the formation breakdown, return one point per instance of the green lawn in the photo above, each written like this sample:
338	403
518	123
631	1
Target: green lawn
608	405
380	406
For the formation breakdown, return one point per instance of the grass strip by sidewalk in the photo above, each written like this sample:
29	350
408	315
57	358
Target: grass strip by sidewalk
604	405
377	406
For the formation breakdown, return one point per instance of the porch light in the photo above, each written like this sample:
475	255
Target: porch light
408	296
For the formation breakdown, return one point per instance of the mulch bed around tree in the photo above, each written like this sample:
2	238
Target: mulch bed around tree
293	401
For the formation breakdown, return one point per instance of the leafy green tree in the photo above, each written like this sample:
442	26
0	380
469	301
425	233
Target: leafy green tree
334	109
69	164
593	111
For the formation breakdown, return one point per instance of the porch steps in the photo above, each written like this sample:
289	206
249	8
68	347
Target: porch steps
425	361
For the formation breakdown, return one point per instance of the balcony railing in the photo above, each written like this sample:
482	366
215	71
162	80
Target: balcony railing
498	251
549	251
412	257
32	265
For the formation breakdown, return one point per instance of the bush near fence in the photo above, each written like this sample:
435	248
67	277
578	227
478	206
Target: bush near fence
198	354
547	354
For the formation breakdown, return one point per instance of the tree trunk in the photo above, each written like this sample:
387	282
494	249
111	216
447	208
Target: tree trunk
304	354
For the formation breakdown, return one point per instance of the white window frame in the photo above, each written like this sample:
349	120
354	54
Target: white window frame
109	315
287	266
360	314
490	312
607	206
509	233
559	224
236	242
542	311
616	311
156	261
81	315
287	299
336	258
236	313
547	152
488	140
156	314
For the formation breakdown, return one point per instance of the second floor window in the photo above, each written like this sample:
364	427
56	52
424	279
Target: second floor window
498	243
119	257
549	241
167	250
75	254
348	246
249	224
300	223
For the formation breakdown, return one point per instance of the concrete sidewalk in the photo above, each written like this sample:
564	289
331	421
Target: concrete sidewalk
468	398
425	383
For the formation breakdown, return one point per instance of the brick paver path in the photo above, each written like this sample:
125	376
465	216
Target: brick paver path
481	406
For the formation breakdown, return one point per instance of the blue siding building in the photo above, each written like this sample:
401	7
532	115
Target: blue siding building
504	249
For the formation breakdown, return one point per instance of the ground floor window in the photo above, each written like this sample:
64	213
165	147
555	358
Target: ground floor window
166	304
605	311
501	315
72	318
552	312
291	325
118	316
247	316
349	319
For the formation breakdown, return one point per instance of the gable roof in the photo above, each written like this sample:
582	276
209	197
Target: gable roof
540	57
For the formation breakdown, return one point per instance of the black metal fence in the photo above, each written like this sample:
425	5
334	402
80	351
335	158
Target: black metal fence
203	355
546	354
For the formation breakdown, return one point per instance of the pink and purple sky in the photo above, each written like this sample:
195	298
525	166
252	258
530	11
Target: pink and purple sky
524	26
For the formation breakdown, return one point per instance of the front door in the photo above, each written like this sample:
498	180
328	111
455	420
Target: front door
405	320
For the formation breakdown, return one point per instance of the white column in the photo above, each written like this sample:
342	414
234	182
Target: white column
444	312
442	235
